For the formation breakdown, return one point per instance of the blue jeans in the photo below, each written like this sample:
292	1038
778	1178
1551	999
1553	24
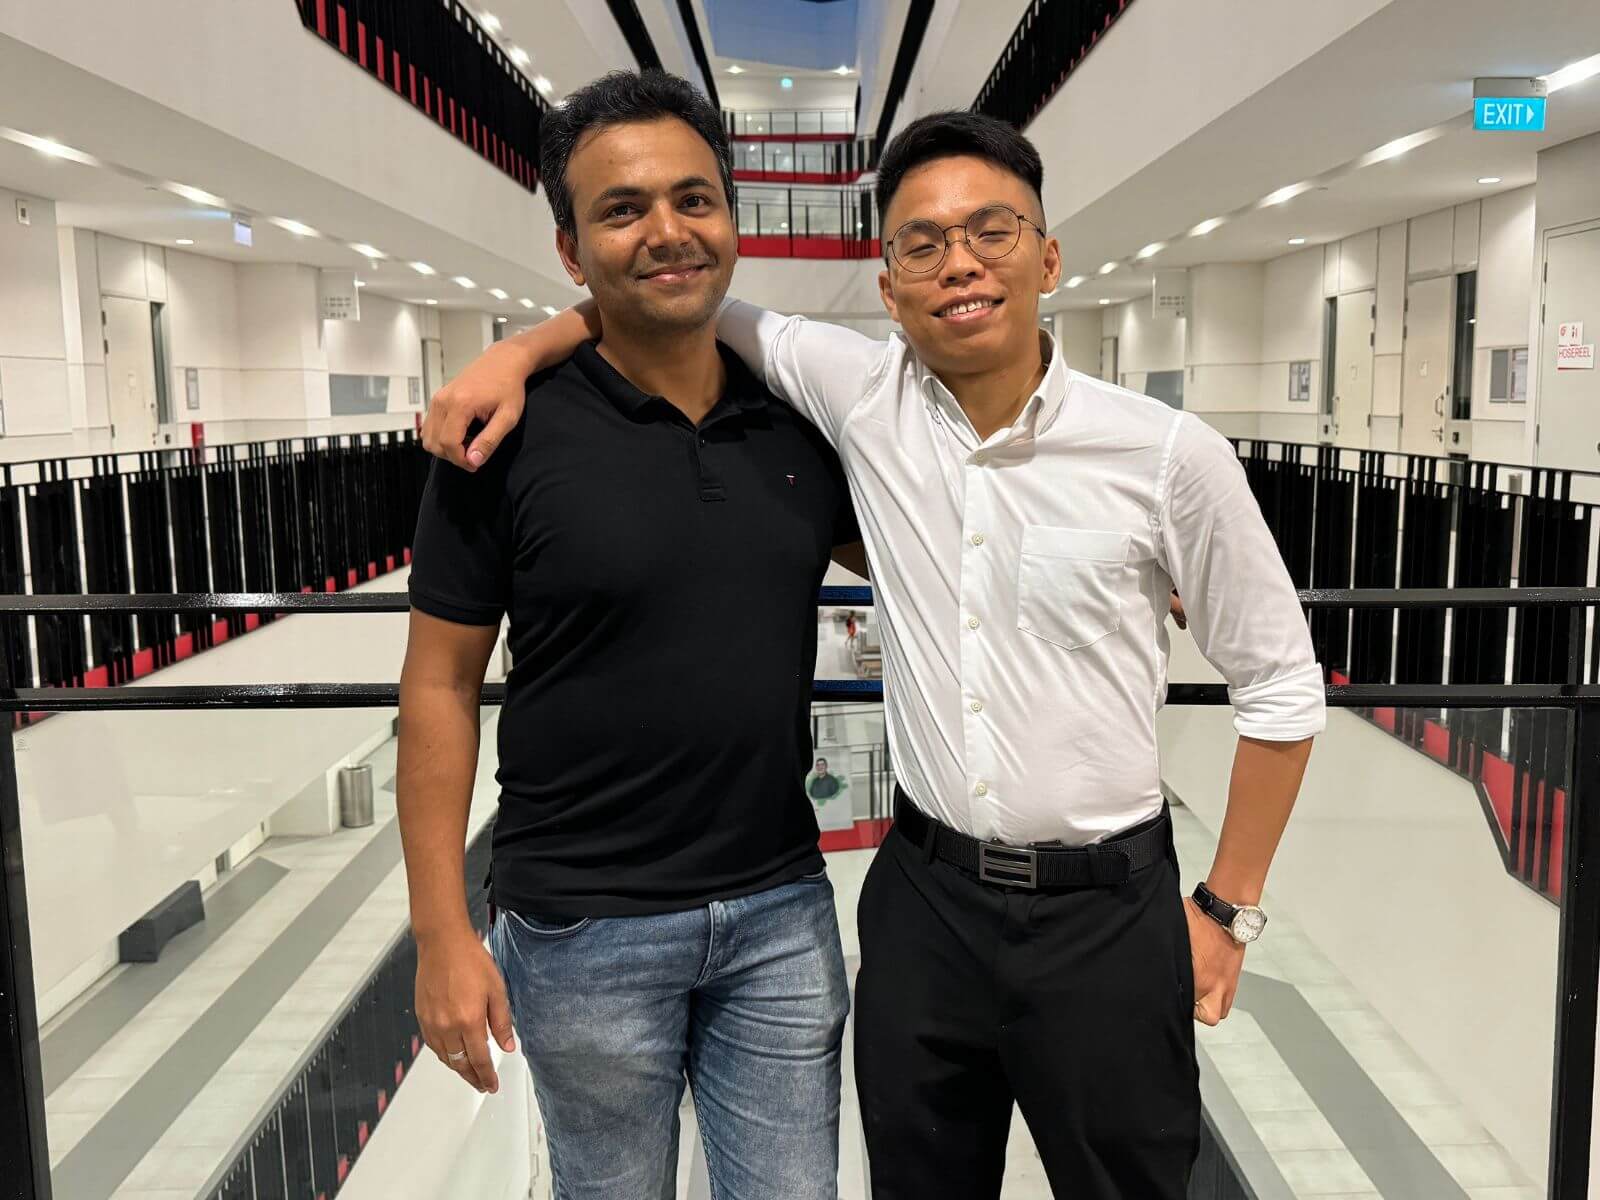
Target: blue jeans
746	999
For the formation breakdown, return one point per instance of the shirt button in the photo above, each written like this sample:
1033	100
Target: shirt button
977	539
980	458
973	622
977	706
982	789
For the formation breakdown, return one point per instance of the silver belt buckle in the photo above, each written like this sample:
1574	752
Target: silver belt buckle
1007	865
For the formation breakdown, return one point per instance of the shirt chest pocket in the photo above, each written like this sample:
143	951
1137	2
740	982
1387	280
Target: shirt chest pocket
1070	584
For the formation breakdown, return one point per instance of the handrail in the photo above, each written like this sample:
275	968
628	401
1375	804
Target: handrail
1051	40
1577	985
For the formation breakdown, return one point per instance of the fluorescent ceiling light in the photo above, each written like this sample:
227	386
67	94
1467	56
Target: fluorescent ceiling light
1284	194
185	241
1103	300
1398	147
49	147
197	195
525	302
551	312
1489	179
463	281
430	302
1107	268
1153	249
1584	68
1075	280
543	85
364	249
1205	227
422	268
735	69
500	320
520	56
489	21
497	293
294	227
786	82
1297	241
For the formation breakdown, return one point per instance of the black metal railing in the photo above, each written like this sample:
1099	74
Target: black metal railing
789	122
1381	519
352	1072
781	161
439	59
1051	40
778	222
301	514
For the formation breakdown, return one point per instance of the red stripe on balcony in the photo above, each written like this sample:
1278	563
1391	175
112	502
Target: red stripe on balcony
383	59
361	41
322	19
344	32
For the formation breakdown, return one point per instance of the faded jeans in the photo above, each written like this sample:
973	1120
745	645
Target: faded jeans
744	999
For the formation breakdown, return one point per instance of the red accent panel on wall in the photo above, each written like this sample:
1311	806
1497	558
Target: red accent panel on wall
796	176
783	247
1497	783
795	137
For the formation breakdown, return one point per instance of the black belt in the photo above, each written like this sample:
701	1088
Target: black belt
1100	865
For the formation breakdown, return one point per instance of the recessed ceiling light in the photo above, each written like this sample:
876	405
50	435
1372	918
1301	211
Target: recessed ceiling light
185	241
841	69
368	251
500	320
49	147
1104	300
489	21
361	283
1286	193
463	281
1075	281
1573	73
1107	268
551	312
422	268
294	227
1153	249
1397	147
735	69
430	302
1489	179
1205	227
525	302
497	293
786	82
1297	241
520	56
197	195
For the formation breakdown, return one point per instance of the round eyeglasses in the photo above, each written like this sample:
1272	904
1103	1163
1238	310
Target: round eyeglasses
990	233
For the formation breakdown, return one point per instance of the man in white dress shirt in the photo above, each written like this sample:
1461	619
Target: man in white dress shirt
1023	938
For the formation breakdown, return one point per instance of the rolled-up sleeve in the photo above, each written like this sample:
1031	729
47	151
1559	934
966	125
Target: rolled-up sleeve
1237	594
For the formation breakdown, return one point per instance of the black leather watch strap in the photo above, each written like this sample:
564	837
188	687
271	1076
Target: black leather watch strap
1218	909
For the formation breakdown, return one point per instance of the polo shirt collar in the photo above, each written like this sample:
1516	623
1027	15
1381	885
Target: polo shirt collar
742	390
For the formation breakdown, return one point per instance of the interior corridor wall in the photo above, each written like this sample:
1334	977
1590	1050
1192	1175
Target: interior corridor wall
34	395
1567	195
1145	342
1077	333
1223	348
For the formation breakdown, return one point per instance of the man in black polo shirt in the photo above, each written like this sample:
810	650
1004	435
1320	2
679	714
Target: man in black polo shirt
656	527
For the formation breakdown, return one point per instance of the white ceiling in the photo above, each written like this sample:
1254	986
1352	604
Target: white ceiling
1316	124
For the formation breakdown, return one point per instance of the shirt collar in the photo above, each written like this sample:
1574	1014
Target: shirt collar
742	390
1038	413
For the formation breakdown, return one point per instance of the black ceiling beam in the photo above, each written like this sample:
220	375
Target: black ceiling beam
626	14
917	17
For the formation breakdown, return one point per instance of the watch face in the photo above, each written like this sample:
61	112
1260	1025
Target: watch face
1247	924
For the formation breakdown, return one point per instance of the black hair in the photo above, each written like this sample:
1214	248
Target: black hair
618	99
946	134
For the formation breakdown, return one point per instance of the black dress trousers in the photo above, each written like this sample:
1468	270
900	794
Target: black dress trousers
1077	1003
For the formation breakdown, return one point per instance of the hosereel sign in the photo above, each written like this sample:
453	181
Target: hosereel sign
1572	352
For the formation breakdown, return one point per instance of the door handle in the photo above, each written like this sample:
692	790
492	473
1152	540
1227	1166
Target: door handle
1438	405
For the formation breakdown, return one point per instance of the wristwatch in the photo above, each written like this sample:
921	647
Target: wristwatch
1243	921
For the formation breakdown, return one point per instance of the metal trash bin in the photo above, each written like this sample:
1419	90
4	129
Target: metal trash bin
355	796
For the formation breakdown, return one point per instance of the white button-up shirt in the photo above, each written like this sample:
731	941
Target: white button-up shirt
1022	580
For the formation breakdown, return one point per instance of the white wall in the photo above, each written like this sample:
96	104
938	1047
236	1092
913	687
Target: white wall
33	343
386	341
1567	193
464	336
1291	331
1145	342
1224	341
1506	308
203	325
1077	333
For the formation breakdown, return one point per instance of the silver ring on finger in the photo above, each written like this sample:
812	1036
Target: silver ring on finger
457	1055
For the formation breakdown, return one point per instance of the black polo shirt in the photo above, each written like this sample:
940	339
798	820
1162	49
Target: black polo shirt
661	581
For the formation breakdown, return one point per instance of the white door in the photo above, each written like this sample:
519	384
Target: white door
1108	359
130	372
1352	371
1425	386
1569	400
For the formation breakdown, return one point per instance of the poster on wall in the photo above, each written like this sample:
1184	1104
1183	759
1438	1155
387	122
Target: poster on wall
1300	380
1577	357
